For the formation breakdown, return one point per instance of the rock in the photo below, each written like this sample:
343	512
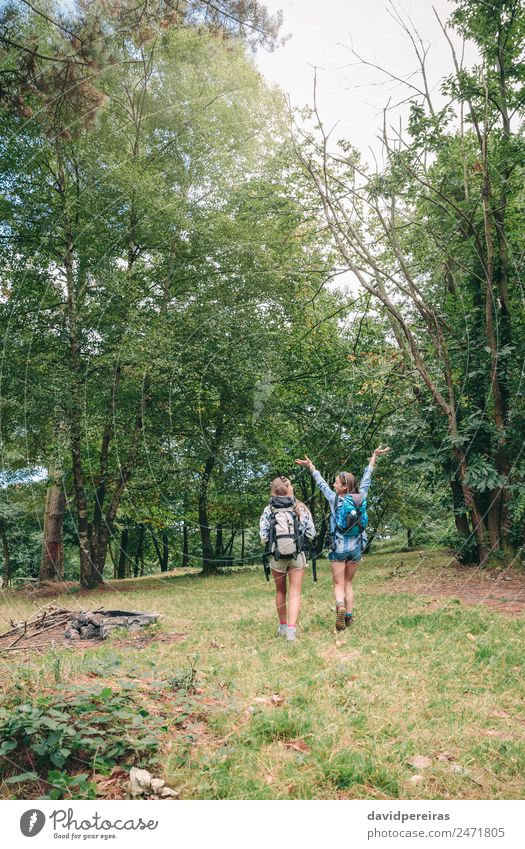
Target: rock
416	779
80	620
157	783
444	756
140	781
89	625
95	619
419	762
169	793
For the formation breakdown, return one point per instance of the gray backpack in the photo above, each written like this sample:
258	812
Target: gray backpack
284	538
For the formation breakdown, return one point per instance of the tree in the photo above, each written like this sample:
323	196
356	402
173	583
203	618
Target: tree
430	235
133	255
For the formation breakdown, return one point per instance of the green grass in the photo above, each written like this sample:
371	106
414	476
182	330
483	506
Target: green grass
410	678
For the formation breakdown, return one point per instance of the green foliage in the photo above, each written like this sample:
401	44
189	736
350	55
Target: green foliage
192	258
481	475
97	730
172	336
184	680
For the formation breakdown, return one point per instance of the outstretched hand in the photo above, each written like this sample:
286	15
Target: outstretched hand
378	451
306	462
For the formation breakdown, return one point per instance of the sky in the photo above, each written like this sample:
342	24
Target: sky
323	33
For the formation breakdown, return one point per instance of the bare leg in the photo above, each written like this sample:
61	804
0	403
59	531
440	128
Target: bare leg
338	575
350	570
280	594
296	581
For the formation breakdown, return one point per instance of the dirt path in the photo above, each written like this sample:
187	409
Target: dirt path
503	591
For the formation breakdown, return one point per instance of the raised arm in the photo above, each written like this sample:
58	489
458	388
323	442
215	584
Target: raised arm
375	454
328	493
366	480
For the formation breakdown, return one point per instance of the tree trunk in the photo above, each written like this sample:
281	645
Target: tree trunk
139	553
494	519
497	513
208	562
410	538
218	543
475	515
6	573
123	556
52	560
157	549
89	577
185	546
103	525
229	547
460	518
112	558
242	545
165	551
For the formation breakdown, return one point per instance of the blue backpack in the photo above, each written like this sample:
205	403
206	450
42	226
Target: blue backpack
350	516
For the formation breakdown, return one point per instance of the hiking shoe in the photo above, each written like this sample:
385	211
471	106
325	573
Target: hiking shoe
340	617
291	634
282	629
349	620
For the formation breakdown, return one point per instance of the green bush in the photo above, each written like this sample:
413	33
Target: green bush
58	738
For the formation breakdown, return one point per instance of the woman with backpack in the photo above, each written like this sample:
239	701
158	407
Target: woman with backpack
348	520
285	525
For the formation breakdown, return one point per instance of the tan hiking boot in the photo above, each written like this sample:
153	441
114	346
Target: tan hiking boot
340	613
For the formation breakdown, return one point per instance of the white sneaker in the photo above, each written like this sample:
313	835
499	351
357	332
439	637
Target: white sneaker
291	634
281	630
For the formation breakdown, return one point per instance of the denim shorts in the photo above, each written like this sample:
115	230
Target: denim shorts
336	558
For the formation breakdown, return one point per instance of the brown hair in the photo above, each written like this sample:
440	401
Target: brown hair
348	480
279	486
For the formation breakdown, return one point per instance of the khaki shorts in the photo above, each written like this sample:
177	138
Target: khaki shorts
285	564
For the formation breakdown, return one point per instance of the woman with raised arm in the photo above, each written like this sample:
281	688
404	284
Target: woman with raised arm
348	520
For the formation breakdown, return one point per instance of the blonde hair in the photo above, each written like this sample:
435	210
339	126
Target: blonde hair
280	486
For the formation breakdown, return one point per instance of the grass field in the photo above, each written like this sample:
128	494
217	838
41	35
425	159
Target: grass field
246	715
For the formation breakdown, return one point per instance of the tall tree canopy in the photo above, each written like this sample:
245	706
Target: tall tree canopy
434	238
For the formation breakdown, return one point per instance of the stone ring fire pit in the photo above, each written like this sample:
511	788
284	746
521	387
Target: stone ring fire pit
98	624
53	623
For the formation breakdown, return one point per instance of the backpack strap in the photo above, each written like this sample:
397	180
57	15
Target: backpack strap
271	537
296	533
338	528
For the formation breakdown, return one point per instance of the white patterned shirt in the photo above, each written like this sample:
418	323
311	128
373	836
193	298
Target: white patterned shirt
306	523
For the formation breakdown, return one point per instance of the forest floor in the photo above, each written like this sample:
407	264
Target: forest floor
422	698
